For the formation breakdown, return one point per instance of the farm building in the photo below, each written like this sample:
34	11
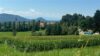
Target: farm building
89	32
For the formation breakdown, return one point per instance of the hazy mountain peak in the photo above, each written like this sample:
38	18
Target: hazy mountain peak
40	19
10	17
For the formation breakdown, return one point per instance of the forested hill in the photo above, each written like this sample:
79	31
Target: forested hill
10	17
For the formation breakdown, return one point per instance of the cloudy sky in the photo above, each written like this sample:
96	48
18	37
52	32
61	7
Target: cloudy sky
51	9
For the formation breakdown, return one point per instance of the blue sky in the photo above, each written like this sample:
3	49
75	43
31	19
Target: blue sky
53	9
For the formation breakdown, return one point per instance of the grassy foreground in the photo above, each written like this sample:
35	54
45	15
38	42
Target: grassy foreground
88	51
6	50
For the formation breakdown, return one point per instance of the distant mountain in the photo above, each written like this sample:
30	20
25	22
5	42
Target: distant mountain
52	18
40	19
47	19
10	17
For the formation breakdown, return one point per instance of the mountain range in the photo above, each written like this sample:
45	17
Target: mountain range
10	17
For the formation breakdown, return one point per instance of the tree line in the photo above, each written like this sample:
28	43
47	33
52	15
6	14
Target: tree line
68	25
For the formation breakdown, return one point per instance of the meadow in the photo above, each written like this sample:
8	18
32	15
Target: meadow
69	45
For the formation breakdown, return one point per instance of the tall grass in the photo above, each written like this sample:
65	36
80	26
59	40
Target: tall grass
44	43
27	44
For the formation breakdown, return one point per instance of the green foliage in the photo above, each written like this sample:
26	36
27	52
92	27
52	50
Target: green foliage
97	20
72	30
48	43
54	29
90	51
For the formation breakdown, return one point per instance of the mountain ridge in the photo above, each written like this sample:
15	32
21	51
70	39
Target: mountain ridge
10	17
4	17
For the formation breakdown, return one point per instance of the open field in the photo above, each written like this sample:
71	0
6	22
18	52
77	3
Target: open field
71	45
88	51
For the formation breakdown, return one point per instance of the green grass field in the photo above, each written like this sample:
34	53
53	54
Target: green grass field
88	51
6	50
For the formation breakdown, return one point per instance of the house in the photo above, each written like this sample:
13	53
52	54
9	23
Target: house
42	24
89	32
96	33
81	33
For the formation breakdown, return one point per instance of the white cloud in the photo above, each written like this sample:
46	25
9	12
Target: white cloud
1	10
31	13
